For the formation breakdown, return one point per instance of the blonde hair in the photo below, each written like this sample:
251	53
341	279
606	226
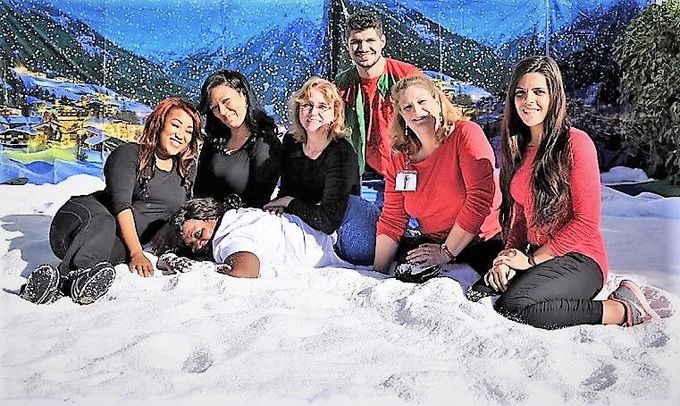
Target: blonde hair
403	139
337	127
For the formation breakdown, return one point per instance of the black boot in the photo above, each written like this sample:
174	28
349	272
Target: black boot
42	286
90	284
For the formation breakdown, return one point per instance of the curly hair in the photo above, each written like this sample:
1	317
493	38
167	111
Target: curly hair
363	20
337	127
552	167
257	121
205	208
149	139
403	138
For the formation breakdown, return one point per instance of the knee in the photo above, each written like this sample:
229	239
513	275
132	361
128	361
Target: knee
512	305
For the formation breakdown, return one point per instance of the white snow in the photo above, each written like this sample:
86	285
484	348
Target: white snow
622	174
326	336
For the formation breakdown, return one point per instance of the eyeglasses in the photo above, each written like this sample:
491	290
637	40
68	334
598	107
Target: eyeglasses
309	107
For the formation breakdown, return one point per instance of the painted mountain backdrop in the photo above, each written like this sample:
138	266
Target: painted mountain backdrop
89	70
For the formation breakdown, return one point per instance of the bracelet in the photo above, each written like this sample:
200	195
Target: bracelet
445	250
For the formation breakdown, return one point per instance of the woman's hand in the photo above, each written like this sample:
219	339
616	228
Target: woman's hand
498	277
427	255
278	206
140	264
513	258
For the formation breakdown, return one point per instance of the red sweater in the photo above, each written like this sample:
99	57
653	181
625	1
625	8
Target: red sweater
580	229
456	185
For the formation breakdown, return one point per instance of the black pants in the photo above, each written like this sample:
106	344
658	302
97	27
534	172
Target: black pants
478	255
554	294
83	232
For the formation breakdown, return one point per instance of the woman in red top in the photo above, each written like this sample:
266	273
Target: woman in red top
555	260
442	174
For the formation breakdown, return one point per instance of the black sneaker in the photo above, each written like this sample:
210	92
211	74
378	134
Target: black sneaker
93	283
42	286
414	273
633	300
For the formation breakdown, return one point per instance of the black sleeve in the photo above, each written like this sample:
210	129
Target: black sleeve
264	169
289	148
120	172
340	172
201	183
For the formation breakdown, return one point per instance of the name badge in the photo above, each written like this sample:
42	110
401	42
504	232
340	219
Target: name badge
406	181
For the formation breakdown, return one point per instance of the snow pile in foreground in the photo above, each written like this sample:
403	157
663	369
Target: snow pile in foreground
325	336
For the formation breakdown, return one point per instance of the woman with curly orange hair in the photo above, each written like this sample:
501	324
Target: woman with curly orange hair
145	184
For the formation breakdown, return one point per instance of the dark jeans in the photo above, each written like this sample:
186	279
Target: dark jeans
83	232
554	294
479	255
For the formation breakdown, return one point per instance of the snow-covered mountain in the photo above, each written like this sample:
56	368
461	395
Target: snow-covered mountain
276	61
44	39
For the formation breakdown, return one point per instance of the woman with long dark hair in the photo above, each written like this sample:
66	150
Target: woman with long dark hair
146	183
241	151
555	261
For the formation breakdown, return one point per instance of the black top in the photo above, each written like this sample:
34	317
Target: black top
251	172
320	187
153	202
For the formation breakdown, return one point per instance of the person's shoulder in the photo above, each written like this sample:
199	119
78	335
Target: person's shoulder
579	139
264	123
342	146
346	77
402	68
289	142
466	129
128	150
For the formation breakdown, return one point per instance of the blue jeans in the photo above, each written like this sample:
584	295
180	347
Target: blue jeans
356	235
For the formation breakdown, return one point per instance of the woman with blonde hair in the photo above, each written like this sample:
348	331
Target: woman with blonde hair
319	172
442	175
146	182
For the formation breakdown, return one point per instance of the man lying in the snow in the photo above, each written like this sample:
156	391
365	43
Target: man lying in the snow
240	240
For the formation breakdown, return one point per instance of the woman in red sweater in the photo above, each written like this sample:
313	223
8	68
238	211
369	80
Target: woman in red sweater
442	174
554	262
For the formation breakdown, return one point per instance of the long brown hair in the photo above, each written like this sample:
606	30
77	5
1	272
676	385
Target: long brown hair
403	139
552	167
149	138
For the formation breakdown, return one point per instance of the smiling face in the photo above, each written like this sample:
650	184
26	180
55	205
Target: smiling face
419	108
198	233
365	47
316	112
228	105
176	133
532	101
